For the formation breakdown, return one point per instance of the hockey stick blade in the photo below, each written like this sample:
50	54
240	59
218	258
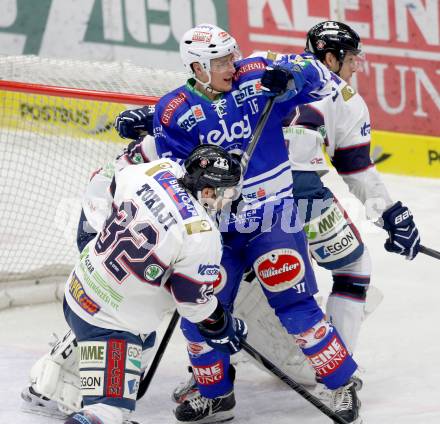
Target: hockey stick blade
430	252
300	389
145	382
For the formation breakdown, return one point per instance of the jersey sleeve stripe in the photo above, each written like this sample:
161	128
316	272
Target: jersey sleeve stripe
186	289
353	146
357	171
353	159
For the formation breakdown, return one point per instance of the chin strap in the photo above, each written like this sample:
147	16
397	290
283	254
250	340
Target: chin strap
206	86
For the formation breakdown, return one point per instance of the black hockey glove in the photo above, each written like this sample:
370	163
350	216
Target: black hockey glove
222	331
403	236
134	123
275	80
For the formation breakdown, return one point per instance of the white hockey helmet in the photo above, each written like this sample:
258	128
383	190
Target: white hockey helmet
205	42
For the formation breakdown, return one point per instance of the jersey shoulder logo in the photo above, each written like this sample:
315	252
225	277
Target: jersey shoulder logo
156	168
198	227
177	194
348	92
171	107
247	67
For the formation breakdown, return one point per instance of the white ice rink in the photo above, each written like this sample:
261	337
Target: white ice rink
398	349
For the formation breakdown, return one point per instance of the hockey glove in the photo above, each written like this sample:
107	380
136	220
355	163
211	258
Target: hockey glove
284	79
135	123
222	331
403	236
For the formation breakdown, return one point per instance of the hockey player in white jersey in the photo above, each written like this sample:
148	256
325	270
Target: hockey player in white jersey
158	248
341	123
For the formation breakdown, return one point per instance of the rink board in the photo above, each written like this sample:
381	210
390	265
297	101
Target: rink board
406	154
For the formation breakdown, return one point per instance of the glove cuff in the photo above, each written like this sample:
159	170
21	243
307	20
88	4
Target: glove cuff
216	323
388	215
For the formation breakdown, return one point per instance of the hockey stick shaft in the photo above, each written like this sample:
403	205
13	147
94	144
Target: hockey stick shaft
430	252
145	382
259	127
300	389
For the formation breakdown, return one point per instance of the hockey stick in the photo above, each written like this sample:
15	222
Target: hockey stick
422	249
430	252
300	389
259	127
146	380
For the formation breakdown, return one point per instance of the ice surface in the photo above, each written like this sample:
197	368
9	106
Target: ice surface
398	349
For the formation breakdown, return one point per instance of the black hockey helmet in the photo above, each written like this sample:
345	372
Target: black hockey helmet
334	37
210	166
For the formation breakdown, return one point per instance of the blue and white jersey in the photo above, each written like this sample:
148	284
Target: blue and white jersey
186	118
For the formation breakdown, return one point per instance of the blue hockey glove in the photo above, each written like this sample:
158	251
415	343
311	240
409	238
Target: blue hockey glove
224	334
136	122
283	79
403	236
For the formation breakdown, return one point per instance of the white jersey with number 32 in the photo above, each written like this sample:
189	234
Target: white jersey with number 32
157	239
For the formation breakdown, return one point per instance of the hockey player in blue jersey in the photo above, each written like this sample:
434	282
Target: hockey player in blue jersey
221	105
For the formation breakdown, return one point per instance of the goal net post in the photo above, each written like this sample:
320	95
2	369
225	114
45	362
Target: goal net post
56	129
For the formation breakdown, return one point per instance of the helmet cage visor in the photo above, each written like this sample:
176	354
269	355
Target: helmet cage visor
224	63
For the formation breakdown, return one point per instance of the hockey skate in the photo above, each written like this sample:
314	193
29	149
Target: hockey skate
185	390
35	403
199	409
325	395
346	403
83	417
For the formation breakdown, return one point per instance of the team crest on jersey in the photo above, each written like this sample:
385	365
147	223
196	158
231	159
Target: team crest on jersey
280	269
153	272
177	193
220	107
